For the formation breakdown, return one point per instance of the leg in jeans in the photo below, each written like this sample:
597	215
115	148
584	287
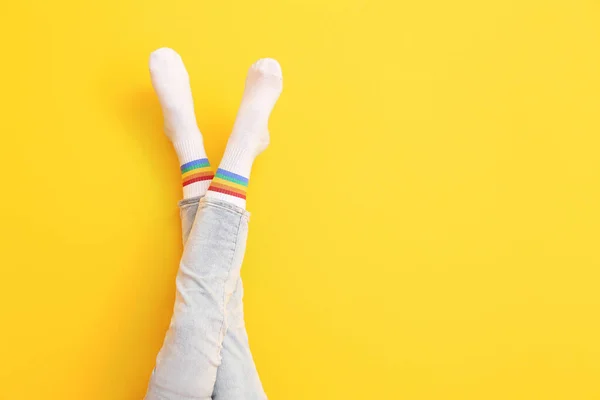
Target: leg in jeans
237	378
186	366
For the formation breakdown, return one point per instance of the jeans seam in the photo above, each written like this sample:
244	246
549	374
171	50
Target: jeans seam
223	323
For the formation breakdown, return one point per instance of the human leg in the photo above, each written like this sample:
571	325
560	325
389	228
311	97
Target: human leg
186	365
237	378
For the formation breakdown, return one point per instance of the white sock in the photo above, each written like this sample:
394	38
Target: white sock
250	135
172	85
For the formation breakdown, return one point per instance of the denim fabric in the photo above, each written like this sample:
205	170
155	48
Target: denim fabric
206	354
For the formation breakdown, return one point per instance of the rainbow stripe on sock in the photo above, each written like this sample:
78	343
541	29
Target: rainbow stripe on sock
229	183
196	171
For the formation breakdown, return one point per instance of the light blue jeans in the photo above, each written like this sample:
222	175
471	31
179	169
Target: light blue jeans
205	354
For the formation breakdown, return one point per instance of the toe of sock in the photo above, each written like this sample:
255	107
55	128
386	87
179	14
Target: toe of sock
268	66
163	57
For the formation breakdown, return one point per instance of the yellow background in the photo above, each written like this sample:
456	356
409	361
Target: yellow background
425	223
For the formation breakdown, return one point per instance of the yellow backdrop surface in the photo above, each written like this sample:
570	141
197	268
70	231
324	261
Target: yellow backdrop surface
426	222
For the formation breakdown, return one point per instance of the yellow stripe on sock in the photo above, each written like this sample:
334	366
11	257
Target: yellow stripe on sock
230	184
195	171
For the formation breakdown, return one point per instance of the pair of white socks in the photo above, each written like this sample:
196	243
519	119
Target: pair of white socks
250	135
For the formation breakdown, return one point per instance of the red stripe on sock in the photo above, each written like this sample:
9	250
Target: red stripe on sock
226	187
225	191
198	179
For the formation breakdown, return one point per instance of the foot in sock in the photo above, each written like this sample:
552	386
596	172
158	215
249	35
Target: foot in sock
250	135
172	85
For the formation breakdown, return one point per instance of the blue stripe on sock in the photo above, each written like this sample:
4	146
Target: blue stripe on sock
203	162
226	174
